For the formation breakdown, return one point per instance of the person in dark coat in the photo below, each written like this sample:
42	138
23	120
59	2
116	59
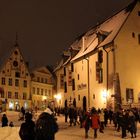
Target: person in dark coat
86	123
27	129
132	124
4	120
124	123
66	112
46	127
71	115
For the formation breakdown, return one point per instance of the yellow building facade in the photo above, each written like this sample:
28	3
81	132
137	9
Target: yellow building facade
106	69
42	88
14	81
20	87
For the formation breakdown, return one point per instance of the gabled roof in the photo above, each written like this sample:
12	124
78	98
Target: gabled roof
6	52
59	65
109	28
42	69
67	61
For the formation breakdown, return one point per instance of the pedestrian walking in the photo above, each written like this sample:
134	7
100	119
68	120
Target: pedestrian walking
23	111
86	123
66	112
71	115
46	127
101	114
95	121
124	123
132	127
27	129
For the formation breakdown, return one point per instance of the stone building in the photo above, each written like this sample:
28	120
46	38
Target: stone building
14	80
106	69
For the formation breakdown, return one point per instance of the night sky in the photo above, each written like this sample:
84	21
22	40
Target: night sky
48	27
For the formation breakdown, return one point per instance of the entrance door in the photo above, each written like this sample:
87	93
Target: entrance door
84	103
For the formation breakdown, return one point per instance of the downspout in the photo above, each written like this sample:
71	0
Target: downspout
106	68
88	78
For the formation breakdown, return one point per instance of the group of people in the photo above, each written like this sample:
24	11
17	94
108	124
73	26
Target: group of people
124	120
98	119
44	128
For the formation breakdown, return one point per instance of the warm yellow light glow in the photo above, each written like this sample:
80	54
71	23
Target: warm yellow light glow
44	97
104	93
57	96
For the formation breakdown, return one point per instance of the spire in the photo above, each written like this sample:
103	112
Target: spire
16	41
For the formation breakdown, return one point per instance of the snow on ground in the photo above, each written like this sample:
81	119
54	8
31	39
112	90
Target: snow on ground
65	132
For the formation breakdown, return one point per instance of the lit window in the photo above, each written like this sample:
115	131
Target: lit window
16	95
2	94
10	82
16	82
3	81
9	94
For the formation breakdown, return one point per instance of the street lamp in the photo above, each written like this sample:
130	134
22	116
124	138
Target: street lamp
105	94
58	98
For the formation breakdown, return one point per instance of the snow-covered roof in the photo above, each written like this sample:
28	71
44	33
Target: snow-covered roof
59	65
67	61
113	26
110	28
75	45
93	43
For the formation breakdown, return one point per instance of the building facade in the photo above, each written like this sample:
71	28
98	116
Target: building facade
20	87
14	81
42	88
106	69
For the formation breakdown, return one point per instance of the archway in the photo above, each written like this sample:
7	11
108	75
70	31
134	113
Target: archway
84	103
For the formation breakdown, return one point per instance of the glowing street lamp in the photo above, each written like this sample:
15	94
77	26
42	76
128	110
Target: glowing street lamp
58	98
104	95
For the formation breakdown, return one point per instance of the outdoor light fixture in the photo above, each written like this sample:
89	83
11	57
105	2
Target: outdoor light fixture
44	98
104	95
58	97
